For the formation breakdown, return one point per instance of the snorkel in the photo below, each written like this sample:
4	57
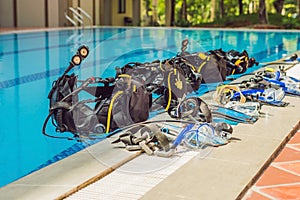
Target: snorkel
289	84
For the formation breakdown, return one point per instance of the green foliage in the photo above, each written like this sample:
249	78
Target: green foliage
275	20
234	21
284	21
199	13
291	23
231	7
182	23
161	12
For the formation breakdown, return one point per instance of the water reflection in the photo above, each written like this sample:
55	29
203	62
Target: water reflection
30	62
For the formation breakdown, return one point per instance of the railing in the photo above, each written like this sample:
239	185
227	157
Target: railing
78	16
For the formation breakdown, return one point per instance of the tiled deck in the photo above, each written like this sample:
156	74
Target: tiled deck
281	180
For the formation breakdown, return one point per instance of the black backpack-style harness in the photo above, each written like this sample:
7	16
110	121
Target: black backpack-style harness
127	98
236	62
118	102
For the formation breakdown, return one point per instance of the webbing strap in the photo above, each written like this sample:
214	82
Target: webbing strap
221	90
205	58
170	92
110	110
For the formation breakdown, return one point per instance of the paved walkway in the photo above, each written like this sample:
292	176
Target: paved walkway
281	180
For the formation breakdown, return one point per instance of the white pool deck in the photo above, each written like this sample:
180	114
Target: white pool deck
222	172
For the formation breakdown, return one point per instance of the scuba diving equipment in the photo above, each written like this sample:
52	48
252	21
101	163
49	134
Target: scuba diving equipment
247	111
231	115
172	79
236	62
147	138
191	107
291	60
127	98
224	93
161	79
249	108
207	65
62	89
196	135
162	138
290	85
215	65
251	90
119	102
269	96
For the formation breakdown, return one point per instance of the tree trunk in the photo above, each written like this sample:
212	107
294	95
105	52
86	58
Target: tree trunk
241	11
184	12
147	5
222	10
173	2
154	8
251	7
262	12
278	4
213	10
298	8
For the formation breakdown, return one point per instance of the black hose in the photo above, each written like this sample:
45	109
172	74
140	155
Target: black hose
45	125
59	118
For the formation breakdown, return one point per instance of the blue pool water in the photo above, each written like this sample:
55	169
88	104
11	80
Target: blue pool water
30	62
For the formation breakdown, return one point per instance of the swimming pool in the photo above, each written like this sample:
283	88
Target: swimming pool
30	62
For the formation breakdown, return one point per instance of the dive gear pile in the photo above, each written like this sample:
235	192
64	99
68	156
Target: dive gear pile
162	140
266	87
236	62
118	102
125	102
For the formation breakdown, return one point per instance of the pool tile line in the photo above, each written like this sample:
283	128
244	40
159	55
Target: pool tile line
97	42
7	36
49	73
58	71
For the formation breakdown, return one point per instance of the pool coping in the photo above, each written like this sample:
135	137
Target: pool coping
62	177
4	31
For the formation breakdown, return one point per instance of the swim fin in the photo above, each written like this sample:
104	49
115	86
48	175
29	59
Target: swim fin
231	115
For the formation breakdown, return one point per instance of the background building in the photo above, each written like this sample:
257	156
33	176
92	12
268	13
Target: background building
51	13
